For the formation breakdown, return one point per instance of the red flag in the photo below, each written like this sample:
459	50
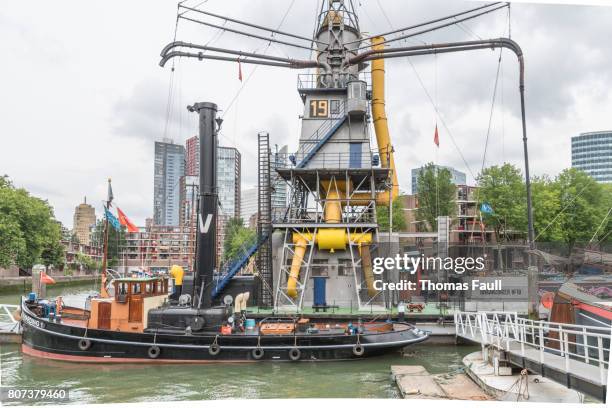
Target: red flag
124	220
239	70
436	138
46	279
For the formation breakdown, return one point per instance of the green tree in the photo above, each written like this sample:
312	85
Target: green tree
240	242
29	233
53	251
605	233
86	261
502	187
436	194
546	206
232	227
399	217
584	206
237	239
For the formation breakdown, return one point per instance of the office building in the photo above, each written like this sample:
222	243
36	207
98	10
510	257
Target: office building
83	222
188	200
592	153
169	167
228	181
457	177
279	186
192	156
248	205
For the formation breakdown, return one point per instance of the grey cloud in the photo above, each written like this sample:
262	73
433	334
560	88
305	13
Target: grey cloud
143	114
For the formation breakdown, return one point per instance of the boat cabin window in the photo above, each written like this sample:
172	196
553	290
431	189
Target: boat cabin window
148	288
122	288
136	288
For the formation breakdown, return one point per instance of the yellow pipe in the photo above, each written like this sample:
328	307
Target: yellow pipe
296	264
366	266
333	207
381	128
327	239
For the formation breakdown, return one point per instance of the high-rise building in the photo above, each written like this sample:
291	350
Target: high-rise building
192	156
83	222
457	177
279	186
228	184
228	180
228	174
168	170
248	205
189	200
592	153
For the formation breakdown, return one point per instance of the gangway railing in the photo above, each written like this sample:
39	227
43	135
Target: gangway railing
545	341
8	323
235	266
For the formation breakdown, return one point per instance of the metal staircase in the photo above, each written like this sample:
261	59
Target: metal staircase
309	147
236	265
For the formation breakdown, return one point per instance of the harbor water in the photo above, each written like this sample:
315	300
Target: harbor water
88	383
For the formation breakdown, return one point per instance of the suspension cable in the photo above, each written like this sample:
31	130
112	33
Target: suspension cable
427	30
394	31
259	27
561	212
232	30
600	225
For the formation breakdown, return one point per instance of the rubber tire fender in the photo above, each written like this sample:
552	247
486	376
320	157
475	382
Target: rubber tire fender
358	350
154	352
257	353
84	344
295	354
214	349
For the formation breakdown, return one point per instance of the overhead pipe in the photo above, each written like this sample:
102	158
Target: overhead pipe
292	64
373	55
508	43
425	23
438	27
184	44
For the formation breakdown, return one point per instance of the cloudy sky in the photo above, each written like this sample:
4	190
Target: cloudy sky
83	97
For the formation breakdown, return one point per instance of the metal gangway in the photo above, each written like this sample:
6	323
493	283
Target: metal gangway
573	355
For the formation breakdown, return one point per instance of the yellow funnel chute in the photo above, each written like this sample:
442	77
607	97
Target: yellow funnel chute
381	128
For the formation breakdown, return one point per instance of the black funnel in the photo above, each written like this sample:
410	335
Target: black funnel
206	239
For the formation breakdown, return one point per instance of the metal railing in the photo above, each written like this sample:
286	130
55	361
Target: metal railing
588	344
363	160
8	323
314	81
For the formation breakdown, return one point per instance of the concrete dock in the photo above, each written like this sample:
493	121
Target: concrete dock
415	382
516	387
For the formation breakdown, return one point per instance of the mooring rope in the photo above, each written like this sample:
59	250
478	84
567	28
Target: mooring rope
523	386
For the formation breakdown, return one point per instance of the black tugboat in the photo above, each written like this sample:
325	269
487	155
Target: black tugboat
133	320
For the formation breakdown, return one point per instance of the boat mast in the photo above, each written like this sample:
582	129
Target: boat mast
109	199
206	237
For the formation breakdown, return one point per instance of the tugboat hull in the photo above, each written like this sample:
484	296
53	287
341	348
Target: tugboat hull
47	339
